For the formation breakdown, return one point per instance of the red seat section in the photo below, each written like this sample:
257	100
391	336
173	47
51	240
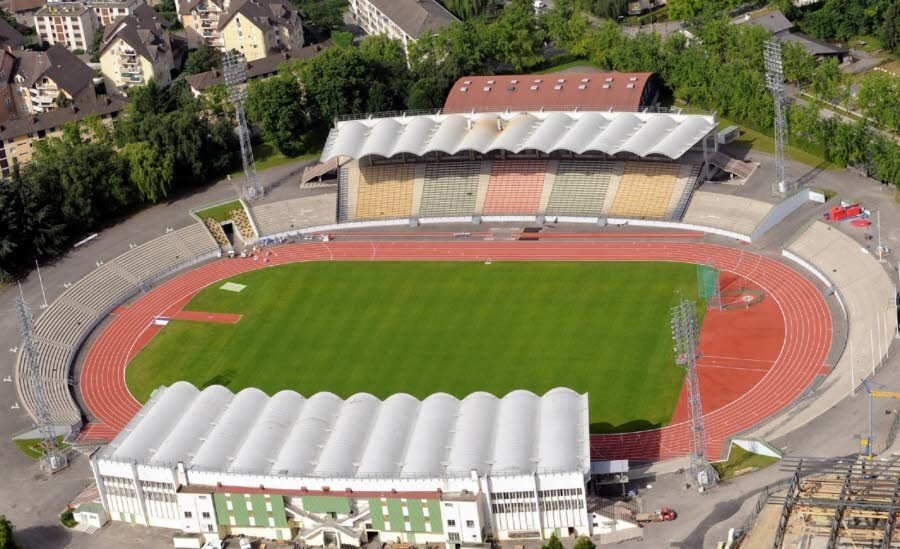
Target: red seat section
515	187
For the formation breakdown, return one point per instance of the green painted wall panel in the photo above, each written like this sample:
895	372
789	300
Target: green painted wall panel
377	519
326	504
278	511
241	515
434	514
395	512
221	509
416	516
259	513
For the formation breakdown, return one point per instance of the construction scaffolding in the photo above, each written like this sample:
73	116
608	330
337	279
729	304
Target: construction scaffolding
840	503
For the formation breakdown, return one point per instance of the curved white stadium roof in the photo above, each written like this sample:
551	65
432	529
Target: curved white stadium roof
361	436
639	133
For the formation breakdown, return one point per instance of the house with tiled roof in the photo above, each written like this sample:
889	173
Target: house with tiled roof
136	49
258	28
45	80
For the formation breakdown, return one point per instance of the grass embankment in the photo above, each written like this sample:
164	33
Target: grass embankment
425	327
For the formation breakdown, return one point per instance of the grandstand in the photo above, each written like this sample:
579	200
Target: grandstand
598	164
60	330
440	470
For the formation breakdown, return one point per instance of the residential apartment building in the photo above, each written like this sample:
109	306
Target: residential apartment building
107	12
45	80
200	19
7	91
71	24
403	20
20	134
258	29
137	49
23	10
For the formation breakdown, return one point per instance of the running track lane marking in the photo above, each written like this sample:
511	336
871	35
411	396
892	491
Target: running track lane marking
214	318
806	318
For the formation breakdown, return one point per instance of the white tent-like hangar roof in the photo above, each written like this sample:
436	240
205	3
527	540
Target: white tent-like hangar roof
360	437
670	134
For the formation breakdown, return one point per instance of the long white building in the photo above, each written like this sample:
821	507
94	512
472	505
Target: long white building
334	471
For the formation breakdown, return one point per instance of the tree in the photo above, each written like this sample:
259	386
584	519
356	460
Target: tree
889	32
516	37
6	534
277	105
150	99
878	98
584	542
62	100
827	80
466	9
323	15
799	65
96	44
205	58
553	542
149	170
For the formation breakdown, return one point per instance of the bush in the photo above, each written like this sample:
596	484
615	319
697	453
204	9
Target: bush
68	519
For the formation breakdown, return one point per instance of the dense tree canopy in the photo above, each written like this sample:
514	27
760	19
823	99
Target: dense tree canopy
879	99
205	58
323	15
6	534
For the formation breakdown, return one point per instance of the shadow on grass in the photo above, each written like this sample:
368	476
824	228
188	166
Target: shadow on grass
628	427
222	378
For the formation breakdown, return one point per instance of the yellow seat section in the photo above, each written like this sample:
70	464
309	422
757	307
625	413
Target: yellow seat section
385	191
645	189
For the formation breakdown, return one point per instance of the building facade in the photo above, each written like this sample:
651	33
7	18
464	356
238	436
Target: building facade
71	24
137	49
20	134
258	29
403	20
107	12
200	19
46	80
346	472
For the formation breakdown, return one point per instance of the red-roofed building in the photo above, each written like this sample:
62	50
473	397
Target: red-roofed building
561	91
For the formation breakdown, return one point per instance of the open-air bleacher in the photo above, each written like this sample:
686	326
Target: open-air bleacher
450	188
61	328
645	190
385	191
580	187
515	187
287	215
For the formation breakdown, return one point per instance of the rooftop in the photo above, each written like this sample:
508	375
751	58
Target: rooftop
57	63
772	20
99	106
416	17
144	30
20	6
9	36
360	437
640	133
613	90
63	8
273	13
260	67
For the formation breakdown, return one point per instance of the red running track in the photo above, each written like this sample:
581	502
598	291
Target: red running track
807	327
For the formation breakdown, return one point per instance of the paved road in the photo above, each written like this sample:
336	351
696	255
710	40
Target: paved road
32	500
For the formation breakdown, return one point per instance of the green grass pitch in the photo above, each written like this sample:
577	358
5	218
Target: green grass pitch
424	327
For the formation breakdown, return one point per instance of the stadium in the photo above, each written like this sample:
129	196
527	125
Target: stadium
451	333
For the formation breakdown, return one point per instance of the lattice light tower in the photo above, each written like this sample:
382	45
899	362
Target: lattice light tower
775	83
52	458
235	81
686	337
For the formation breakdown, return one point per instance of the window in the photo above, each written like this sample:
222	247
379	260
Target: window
209	527
205	514
188	514
453	536
470	524
451	522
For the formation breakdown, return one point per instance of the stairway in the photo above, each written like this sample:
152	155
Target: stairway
737	168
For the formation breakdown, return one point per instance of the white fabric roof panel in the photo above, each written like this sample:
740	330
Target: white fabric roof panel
308	435
157	421
643	134
360	436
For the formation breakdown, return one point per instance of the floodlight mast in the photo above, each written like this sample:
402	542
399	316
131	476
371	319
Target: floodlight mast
775	83
235	81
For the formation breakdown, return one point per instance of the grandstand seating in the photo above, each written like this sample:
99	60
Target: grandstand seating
681	195
217	232
287	215
385	191
62	327
515	187
242	222
580	187
645	190
450	188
